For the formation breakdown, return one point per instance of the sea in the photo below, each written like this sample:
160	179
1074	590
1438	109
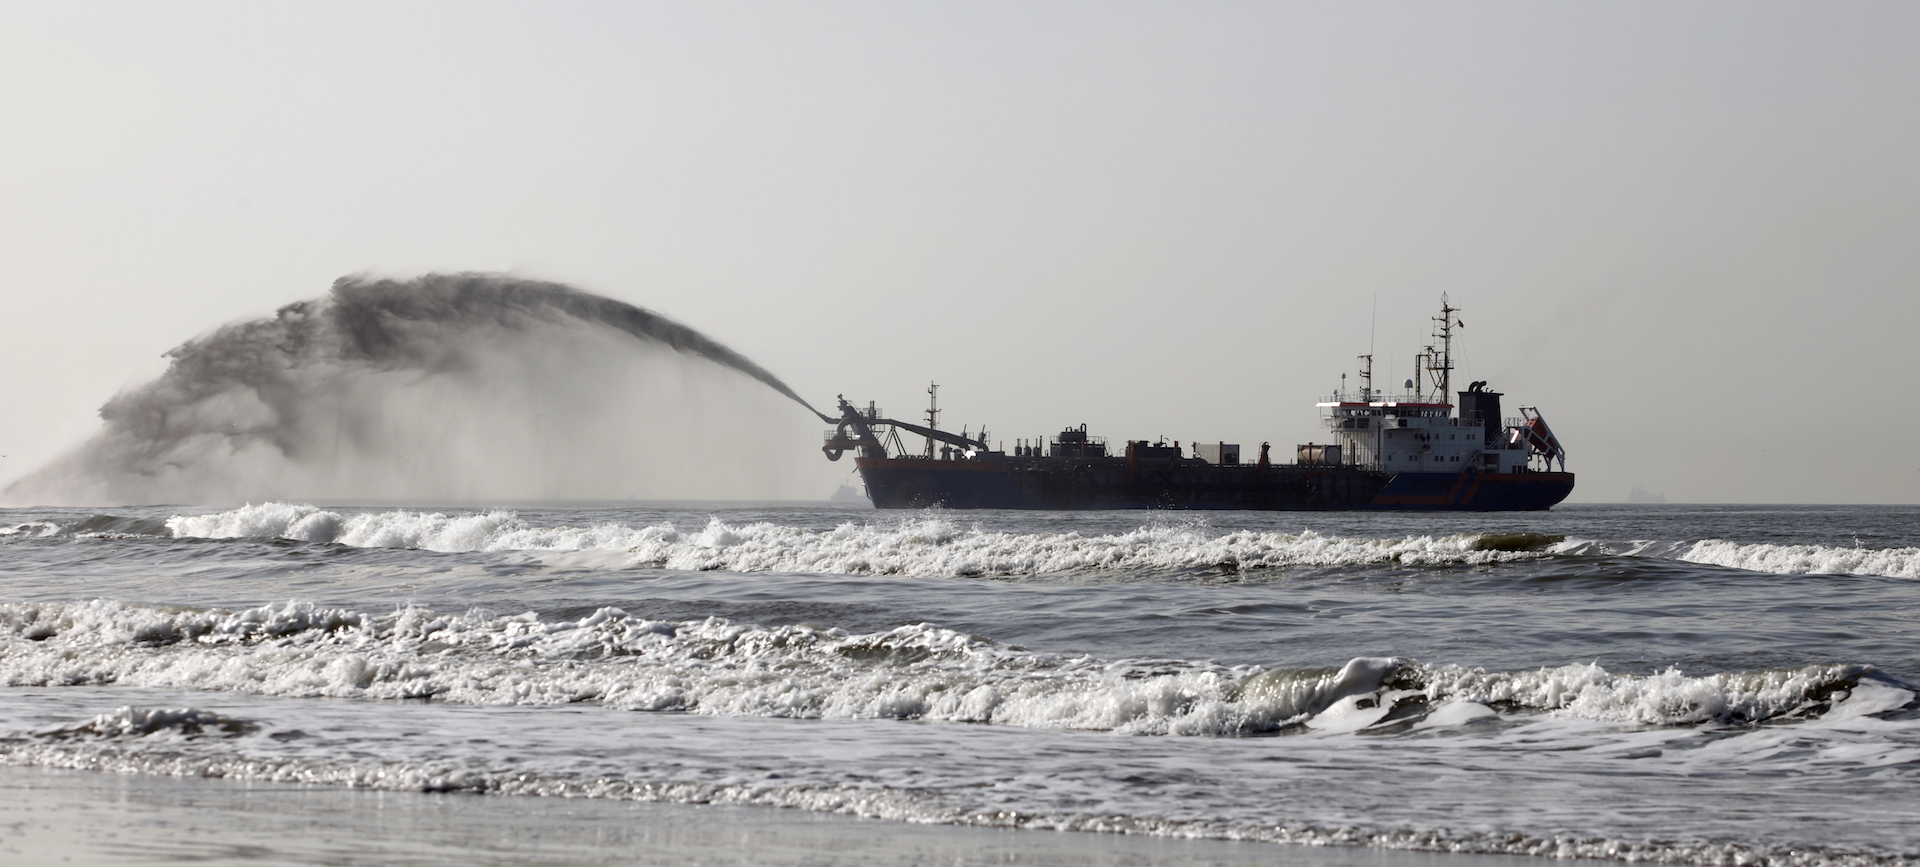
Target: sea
1698	685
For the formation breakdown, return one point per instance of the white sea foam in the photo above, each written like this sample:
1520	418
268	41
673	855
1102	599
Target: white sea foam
1665	698
1806	559
1458	712
915	545
127	742
1759	556
718	667
128	721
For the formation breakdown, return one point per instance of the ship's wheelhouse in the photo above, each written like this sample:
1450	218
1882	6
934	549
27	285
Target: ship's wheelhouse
1404	433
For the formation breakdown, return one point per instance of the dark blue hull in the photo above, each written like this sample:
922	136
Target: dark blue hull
1113	483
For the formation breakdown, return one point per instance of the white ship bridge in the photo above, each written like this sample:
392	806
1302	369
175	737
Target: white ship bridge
1417	430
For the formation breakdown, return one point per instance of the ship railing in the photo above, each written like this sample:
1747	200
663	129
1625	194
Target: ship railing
1383	397
1390	421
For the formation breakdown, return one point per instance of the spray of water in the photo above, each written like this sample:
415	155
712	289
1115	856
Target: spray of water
449	386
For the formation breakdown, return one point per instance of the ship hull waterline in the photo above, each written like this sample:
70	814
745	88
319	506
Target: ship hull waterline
918	483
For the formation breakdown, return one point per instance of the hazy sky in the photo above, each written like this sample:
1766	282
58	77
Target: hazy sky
1688	232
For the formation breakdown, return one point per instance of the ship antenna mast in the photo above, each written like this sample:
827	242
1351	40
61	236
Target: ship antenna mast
1440	365
1366	371
933	413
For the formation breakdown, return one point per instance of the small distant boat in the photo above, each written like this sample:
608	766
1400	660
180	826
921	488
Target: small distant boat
1403	451
848	494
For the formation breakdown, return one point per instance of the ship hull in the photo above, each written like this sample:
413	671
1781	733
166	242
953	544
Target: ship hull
1114	483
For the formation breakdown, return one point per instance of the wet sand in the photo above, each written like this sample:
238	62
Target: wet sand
84	818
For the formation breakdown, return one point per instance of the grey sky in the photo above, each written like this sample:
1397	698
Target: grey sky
1685	231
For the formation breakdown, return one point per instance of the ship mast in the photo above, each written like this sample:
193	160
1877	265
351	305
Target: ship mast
1366	378
1440	364
933	413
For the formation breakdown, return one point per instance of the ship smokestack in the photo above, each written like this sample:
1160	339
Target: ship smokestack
1477	405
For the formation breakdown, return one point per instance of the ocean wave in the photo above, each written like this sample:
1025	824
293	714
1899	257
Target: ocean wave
1757	556
29	530
128	721
921	671
915	545
937	544
90	526
1669	697
1805	559
920	803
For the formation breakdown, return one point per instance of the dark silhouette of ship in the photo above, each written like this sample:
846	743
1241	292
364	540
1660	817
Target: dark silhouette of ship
1409	450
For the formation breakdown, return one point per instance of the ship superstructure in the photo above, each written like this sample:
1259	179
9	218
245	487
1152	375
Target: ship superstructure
1405	449
1416	430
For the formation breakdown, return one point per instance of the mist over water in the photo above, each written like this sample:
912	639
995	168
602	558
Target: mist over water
448	386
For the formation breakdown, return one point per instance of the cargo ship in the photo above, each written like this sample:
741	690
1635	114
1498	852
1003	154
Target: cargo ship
1410	450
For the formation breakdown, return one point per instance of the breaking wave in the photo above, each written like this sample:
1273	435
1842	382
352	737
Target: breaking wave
719	667
1806	559
1763	557
940	544
917	545
920	804
130	721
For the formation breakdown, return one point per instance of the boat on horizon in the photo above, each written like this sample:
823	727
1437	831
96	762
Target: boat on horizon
1408	450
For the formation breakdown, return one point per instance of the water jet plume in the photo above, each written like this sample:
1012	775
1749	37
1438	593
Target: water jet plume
447	386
